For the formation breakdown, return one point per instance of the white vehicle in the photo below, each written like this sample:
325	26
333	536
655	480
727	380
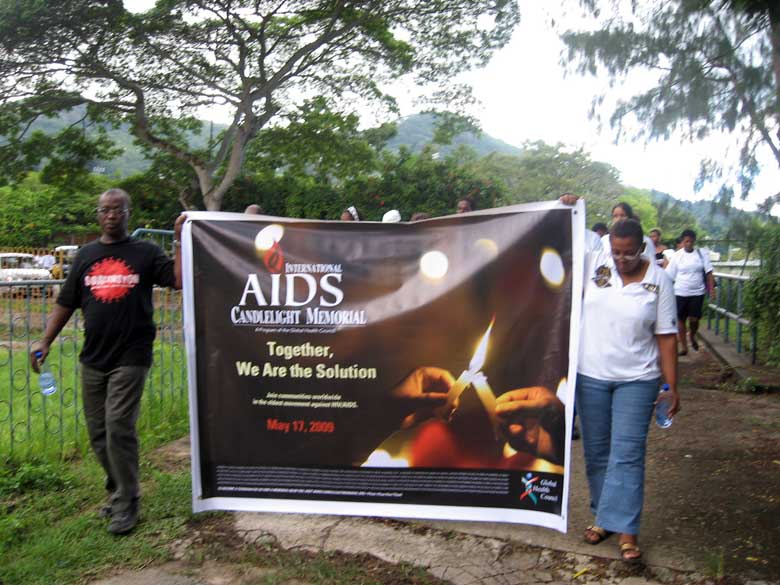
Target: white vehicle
64	256
16	267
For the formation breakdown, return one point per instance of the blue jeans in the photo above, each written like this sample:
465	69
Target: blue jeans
614	422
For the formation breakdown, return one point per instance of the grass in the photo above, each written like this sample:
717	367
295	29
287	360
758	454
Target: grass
50	533
716	563
34	427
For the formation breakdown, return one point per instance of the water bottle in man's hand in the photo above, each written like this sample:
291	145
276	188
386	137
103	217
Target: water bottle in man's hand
662	418
46	380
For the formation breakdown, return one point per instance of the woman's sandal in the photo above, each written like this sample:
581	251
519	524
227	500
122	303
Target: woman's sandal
596	534
630	552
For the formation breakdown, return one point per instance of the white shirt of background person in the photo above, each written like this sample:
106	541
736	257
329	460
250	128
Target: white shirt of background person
687	269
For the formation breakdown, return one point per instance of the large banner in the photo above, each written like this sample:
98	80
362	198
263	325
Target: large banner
413	370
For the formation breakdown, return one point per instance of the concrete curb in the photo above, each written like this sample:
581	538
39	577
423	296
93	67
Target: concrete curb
458	557
760	379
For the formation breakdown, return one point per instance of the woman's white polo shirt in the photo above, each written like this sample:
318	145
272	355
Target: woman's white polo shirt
619	323
687	270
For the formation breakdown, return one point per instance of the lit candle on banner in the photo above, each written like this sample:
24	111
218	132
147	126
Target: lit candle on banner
474	377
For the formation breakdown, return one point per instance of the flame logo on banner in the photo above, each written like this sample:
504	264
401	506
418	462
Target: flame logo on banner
274	259
268	247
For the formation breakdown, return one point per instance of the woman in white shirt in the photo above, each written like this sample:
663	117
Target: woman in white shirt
623	211
627	344
691	271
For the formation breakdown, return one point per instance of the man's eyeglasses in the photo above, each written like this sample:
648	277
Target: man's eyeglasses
112	210
627	257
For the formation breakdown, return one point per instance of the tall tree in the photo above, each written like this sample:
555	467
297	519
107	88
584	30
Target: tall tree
544	171
718	69
255	58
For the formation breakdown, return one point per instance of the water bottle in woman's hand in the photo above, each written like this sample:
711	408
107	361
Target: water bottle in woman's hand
662	418
46	380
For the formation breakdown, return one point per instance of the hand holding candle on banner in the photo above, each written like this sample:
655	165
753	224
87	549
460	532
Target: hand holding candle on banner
474	376
533	421
422	392
444	426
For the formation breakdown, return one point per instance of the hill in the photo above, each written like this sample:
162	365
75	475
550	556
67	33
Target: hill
418	130
713	218
414	132
132	160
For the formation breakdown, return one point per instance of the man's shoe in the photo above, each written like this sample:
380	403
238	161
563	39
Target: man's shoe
694	344
124	521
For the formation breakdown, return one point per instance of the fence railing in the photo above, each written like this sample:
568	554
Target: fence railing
727	312
46	427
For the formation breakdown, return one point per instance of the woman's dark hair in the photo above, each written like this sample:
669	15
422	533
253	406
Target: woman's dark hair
688	234
625	207
628	228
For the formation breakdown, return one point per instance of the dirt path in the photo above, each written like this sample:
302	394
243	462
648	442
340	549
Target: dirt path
713	484
712	514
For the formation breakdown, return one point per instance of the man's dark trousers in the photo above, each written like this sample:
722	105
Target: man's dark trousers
112	402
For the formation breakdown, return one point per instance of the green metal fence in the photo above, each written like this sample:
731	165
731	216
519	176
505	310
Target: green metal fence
33	426
726	315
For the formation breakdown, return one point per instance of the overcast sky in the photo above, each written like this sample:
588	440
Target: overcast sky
525	95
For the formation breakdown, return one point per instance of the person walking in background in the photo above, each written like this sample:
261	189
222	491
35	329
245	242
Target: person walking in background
691	270
350	214
465	205
391	216
600	228
660	258
669	252
111	282
623	211
627	343
254	209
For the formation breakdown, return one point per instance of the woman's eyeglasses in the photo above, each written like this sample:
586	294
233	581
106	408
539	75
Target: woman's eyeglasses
626	257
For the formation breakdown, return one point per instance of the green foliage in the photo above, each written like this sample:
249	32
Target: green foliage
544	172
711	64
319	142
33	476
404	181
641	202
675	216
762	296
256	60
37	214
420	183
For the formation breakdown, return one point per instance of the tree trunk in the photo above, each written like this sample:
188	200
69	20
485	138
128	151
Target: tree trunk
214	194
206	184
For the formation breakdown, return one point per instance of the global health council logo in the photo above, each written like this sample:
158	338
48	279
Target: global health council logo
540	490
528	482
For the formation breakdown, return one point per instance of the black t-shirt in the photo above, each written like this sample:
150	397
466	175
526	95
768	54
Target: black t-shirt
112	284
